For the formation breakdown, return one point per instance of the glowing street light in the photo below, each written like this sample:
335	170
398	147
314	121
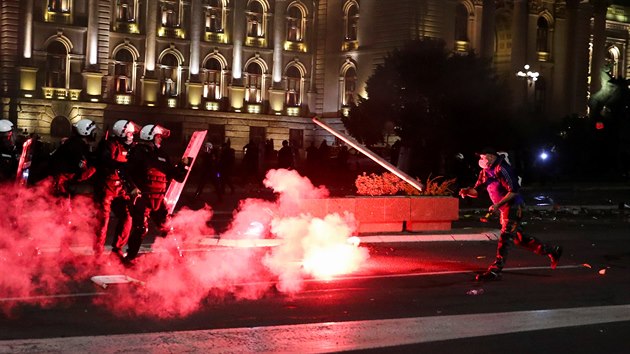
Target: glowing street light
531	76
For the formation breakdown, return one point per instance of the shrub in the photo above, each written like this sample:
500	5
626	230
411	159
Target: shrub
390	184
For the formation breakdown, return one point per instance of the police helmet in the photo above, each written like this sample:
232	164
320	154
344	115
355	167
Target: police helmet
5	126
85	127
122	127
149	131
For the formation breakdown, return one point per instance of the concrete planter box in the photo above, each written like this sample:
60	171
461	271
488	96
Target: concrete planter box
390	213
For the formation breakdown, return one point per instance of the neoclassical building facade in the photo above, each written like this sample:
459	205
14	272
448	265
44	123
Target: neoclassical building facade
259	69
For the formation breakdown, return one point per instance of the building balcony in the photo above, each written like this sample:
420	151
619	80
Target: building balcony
124	98
293	111
295	46
58	17
171	32
61	93
216	37
349	45
255	108
126	27
256	42
543	56
462	46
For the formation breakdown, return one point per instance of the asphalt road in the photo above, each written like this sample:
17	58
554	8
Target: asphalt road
409	297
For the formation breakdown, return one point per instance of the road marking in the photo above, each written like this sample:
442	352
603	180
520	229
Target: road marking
271	283
54	296
329	336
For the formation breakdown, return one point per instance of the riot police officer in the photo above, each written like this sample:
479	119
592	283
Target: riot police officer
114	189
8	152
72	162
151	170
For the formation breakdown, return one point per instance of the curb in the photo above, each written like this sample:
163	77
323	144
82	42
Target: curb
490	235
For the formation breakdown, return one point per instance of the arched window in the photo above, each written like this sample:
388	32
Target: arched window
215	15
60	127
169	67
294	85
542	34
612	60
56	63
59	5
123	71
295	24
348	85
126	10
212	72
254	76
351	18
170	11
255	19
461	23
503	41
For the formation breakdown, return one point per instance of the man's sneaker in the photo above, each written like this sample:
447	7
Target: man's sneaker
488	275
555	255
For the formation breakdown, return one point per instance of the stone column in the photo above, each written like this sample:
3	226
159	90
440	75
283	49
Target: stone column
238	38
151	30
236	90
149	82
569	76
196	12
28	30
598	78
519	46
488	29
279	36
91	57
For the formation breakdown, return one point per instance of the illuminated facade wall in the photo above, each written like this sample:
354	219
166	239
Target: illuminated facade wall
235	64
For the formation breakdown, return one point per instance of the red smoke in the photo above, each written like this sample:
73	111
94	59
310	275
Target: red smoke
173	286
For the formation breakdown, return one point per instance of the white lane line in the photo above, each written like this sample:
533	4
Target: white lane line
330	336
271	283
54	296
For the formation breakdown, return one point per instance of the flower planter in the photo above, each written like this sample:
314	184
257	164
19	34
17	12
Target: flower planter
390	213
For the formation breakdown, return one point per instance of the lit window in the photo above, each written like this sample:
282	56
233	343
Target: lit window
169	68
295	24
542	34
126	10
59	5
56	62
123	71
254	75
351	17
170	14
294	83
212	89
256	21
349	86
215	14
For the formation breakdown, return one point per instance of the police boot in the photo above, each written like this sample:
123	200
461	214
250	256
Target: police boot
554	256
488	275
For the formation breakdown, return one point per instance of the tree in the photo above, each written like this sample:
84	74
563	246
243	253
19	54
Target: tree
440	103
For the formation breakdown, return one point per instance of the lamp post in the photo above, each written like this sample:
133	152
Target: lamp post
530	77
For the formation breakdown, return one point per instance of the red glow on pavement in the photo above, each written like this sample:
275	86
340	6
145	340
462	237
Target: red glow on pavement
32	222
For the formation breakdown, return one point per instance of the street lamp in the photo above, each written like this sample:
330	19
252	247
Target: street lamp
531	76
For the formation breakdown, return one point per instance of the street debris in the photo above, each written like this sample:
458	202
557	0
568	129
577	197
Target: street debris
474	292
105	280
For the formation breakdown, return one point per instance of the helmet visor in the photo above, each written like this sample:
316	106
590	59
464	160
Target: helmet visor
160	130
